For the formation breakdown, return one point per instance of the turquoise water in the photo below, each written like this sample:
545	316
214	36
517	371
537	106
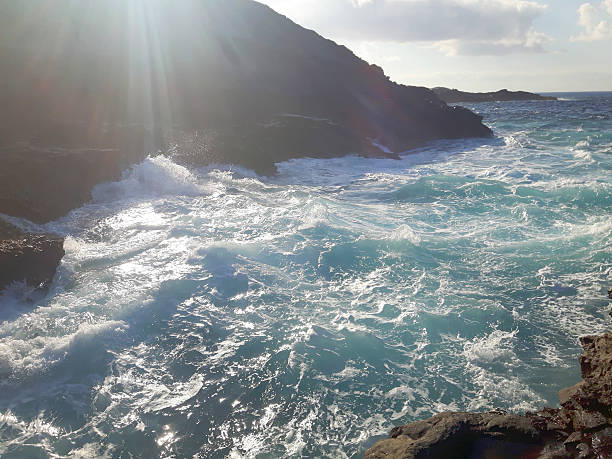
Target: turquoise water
214	313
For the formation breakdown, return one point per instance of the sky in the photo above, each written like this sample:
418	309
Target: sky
472	45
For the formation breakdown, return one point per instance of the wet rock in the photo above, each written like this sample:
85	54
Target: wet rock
573	439
602	443
42	184
582	427
32	258
461	435
553	451
583	451
588	420
566	394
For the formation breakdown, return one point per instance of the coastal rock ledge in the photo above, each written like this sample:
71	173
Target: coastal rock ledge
32	258
581	428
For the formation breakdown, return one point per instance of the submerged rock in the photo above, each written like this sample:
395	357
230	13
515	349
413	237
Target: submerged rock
582	427
32	258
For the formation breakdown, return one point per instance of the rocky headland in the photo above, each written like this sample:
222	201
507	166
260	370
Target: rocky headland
580	428
253	87
451	96
90	88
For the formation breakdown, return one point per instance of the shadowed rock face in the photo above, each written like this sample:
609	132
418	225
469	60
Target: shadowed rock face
136	75
44	184
582	427
28	257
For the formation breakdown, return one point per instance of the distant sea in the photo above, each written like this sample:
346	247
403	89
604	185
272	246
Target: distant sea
215	313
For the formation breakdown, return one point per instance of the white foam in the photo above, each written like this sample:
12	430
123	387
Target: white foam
154	176
512	141
315	214
583	155
405	233
496	347
26	430
89	450
26	356
24	224
381	146
178	395
308	117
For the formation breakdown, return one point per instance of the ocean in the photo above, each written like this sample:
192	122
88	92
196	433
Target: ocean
213	313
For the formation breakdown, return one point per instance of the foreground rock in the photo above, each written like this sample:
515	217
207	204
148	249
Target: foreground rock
251	85
32	258
581	428
451	96
42	184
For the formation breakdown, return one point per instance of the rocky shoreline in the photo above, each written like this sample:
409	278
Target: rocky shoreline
40	185
580	428
260	90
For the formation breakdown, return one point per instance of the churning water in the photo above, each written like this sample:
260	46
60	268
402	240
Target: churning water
215	313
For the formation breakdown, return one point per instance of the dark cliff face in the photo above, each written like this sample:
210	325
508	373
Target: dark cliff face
137	75
503	95
44	184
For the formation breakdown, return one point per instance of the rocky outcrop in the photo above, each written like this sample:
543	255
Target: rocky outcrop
252	85
451	96
42	184
581	428
461	435
32	258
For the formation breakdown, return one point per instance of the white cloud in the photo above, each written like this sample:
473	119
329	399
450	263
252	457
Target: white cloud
454	26
595	20
531	42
